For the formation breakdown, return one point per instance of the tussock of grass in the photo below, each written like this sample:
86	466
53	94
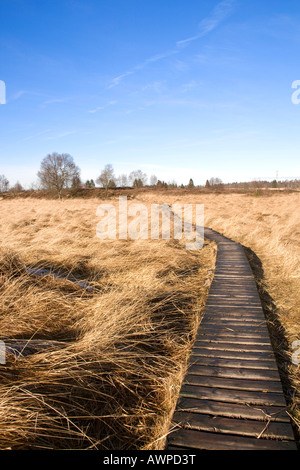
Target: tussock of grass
112	379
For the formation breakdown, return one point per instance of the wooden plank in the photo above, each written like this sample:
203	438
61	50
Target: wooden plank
233	340
216	294
233	292
233	410
250	428
237	285
229	305
241	310
179	450
226	336
224	263
244	308
230	301
233	286
205	440
245	295
228	312
233	322
234	313
234	372
236	317
234	363
218	333
234	272
240	273
238	280
233	346
233	396
249	355
238	269
231	327
228	277
257	330
234	304
224	309
237	384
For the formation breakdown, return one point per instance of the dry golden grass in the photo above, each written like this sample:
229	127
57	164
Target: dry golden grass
111	378
269	226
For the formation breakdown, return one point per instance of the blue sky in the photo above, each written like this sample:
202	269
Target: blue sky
175	88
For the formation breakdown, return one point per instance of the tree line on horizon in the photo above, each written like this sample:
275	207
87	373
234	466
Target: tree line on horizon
59	171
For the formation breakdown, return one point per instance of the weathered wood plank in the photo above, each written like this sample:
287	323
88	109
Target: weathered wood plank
233	396
234	363
233	323
228	310
234	372
238	330
223	314
234	316
233	410
249	355
246	427
218	333
212	441
237	384
228	305
233	345
230	339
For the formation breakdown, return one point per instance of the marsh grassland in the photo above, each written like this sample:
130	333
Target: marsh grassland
112	377
117	353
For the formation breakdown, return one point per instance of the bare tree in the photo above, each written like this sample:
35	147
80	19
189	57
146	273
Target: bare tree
34	186
58	172
172	184
122	180
137	178
153	180
17	187
4	184
106	177
215	181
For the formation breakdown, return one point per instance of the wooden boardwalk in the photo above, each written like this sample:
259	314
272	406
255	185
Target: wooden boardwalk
232	397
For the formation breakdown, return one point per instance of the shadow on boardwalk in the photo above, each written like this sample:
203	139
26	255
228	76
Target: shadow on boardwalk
277	334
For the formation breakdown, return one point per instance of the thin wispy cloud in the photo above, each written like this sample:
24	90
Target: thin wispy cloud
60	135
186	87
118	79
99	108
207	25
219	14
55	100
35	136
156	86
92	111
18	94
